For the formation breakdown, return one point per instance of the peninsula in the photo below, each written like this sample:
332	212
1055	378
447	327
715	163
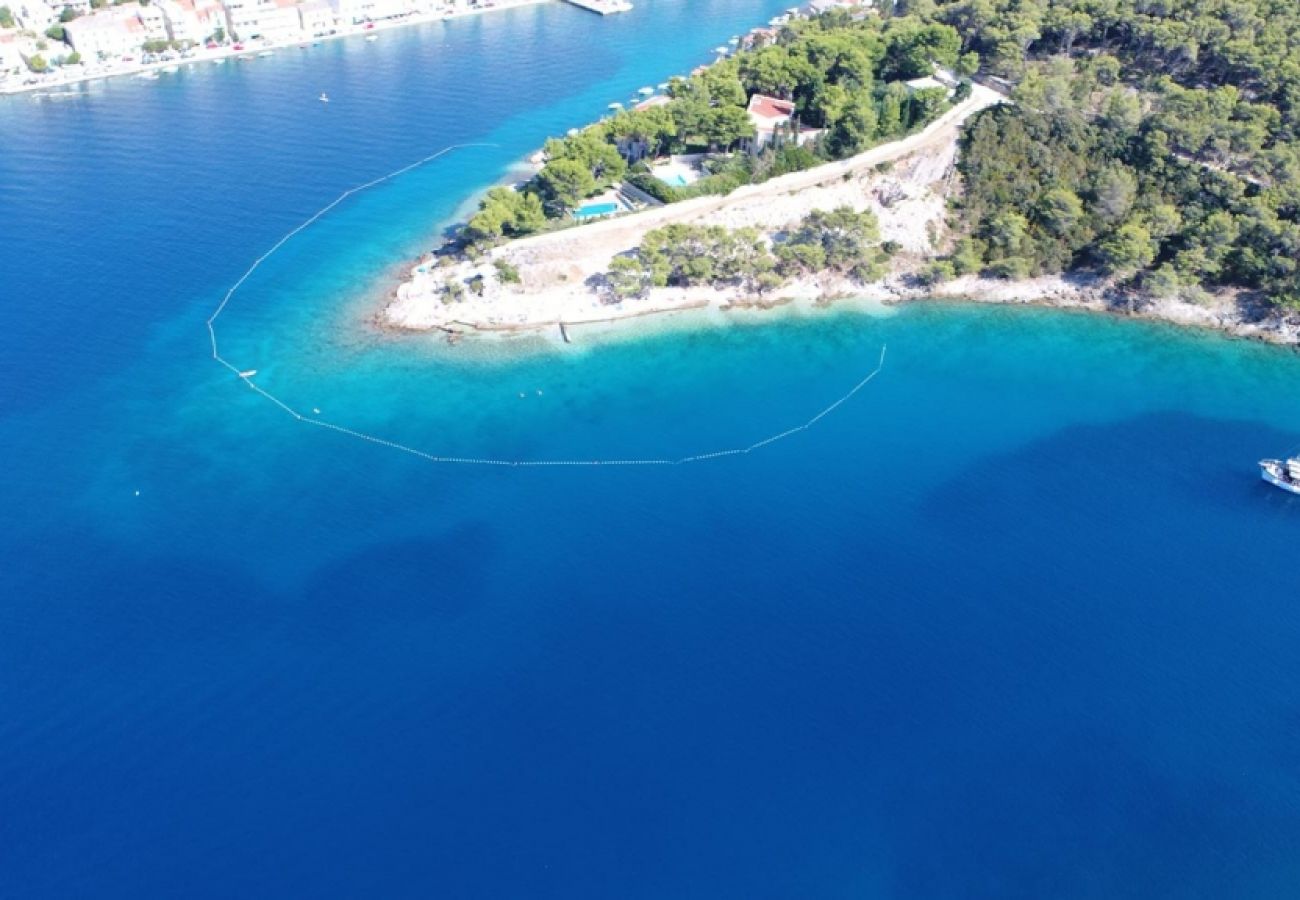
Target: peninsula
845	154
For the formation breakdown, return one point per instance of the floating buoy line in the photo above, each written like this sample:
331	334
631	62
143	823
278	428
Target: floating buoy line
246	375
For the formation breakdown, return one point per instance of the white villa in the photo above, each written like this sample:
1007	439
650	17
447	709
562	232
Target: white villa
771	117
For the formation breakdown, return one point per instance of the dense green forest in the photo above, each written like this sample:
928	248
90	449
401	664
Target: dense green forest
844	76
1154	140
678	255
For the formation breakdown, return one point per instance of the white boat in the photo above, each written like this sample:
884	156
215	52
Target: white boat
616	105
267	53
372	37
1282	473
248	373
646	91
324	97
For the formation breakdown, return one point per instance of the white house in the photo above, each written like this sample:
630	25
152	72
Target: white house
277	22
153	20
192	20
316	17
106	33
773	117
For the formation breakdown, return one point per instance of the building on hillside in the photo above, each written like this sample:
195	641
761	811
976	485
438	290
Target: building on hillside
774	121
769	116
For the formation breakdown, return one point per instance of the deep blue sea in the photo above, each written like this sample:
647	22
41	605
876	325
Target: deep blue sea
1018	620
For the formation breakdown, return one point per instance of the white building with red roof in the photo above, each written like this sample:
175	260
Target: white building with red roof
773	118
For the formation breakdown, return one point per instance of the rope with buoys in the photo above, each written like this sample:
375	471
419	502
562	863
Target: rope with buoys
246	375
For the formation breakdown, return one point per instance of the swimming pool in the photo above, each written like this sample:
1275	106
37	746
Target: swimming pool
595	209
676	179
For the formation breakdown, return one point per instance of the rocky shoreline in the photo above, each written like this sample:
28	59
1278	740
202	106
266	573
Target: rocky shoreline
555	282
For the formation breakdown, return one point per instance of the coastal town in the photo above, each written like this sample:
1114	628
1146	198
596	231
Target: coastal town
52	43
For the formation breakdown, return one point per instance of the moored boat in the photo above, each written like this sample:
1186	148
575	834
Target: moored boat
1282	473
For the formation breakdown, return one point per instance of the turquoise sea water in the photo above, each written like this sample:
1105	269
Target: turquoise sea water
1019	620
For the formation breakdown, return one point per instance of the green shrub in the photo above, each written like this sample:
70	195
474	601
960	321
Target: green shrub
506	273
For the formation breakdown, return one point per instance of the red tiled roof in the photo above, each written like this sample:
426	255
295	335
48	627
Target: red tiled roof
765	107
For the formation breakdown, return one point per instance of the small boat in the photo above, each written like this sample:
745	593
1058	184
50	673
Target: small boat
1282	473
248	373
267	53
646	91
324	97
616	105
722	51
372	37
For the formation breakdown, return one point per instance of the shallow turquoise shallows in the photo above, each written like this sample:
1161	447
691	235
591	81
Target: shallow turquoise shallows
1016	620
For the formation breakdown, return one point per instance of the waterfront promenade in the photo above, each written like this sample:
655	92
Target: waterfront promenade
243	50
